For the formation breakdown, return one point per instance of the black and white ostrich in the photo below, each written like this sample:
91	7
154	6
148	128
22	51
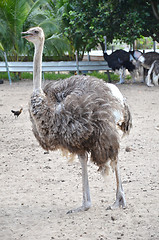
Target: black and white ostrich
121	60
154	72
81	115
150	61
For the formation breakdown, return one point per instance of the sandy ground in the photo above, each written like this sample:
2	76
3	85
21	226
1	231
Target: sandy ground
38	189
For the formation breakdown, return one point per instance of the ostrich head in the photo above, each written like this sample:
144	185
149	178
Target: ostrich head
137	55
34	35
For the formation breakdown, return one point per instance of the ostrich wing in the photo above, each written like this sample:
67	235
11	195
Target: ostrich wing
83	117
150	57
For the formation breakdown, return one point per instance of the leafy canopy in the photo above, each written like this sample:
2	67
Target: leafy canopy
19	15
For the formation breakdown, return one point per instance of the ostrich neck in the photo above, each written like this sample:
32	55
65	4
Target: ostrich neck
105	56
37	67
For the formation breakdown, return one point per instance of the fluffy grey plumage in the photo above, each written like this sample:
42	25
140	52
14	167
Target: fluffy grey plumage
76	114
150	57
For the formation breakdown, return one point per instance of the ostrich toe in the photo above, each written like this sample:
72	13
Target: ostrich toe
83	208
120	201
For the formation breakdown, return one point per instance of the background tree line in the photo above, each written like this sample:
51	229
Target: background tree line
75	25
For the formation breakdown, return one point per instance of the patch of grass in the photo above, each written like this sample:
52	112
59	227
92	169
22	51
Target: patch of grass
104	76
4	75
56	76
27	75
15	76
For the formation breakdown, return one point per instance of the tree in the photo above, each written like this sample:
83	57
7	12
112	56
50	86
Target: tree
88	21
141	17
17	16
78	25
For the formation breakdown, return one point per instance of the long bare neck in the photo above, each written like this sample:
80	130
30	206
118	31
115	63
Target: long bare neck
105	56
37	67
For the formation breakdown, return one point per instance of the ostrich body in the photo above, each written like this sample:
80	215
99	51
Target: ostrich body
149	61
81	115
120	60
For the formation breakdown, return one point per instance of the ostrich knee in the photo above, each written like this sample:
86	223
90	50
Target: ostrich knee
122	76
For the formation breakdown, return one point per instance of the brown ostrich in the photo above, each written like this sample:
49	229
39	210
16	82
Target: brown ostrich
80	114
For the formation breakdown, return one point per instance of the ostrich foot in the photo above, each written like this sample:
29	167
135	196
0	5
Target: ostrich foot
83	208
120	202
120	82
150	85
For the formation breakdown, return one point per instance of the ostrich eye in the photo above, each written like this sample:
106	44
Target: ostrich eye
36	32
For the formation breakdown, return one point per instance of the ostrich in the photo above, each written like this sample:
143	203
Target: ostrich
121	60
147	60
154	70
81	115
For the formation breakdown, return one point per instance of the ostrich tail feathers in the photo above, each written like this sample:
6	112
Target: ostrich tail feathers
68	155
107	168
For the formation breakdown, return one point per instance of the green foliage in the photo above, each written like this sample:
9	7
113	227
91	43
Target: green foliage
1	47
17	16
138	19
144	43
75	25
86	22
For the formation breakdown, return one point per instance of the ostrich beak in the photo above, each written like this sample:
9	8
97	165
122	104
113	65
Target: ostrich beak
26	34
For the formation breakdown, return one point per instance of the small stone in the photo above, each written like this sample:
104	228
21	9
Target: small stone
128	149
112	218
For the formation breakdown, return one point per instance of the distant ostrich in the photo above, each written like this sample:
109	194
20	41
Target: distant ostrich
154	70
148	62
81	115
138	72
121	60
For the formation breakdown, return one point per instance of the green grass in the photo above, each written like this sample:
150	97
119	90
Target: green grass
104	76
27	75
56	76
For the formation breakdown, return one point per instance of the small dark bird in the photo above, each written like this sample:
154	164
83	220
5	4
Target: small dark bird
17	113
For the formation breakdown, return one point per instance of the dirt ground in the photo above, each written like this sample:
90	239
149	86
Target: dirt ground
38	189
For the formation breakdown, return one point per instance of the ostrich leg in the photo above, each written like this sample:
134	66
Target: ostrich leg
85	186
120	196
148	78
122	75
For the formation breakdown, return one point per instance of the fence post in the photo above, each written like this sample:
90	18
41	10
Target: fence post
88	56
77	63
154	46
5	57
